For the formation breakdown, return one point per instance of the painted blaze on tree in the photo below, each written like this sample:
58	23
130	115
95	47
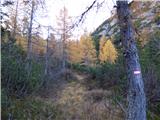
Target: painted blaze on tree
136	96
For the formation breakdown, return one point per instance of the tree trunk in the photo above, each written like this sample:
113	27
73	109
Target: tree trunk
64	41
15	21
29	47
136	96
47	56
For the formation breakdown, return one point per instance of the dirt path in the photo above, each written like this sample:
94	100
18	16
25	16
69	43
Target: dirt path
78	102
55	88
80	76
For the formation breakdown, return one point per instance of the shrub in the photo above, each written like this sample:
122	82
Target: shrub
14	73
33	109
137	23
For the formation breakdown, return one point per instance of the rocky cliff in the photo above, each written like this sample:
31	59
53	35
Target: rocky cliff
145	18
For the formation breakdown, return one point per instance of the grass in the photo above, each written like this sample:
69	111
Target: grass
30	109
74	102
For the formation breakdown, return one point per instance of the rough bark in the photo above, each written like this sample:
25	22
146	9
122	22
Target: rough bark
64	41
136	96
64	25
29	47
15	20
47	55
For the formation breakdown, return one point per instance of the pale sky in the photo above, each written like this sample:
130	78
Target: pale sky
76	8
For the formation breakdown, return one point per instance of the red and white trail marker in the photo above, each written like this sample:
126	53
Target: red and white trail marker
137	72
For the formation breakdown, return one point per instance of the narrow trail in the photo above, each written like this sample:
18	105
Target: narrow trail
80	76
77	101
56	87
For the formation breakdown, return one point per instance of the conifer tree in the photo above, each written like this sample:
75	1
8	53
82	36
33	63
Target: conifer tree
88	51
107	51
74	51
64	22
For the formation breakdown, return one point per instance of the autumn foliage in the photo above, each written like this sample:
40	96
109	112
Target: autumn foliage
82	51
107	52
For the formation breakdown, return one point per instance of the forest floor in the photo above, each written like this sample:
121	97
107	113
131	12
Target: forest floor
77	102
70	99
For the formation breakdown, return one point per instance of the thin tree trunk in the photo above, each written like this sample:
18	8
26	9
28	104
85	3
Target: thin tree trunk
46	57
29	47
15	21
30	33
64	41
136	96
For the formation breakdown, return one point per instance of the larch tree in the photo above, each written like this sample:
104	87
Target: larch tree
136	96
29	47
15	20
14	12
74	51
64	22
47	55
88	51
108	52
33	5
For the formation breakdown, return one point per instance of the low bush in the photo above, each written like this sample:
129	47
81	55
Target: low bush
32	109
15	78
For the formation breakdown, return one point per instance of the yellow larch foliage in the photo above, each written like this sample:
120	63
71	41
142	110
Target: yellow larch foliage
108	52
74	51
87	50
38	44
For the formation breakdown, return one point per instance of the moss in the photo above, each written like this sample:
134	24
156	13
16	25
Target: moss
137	23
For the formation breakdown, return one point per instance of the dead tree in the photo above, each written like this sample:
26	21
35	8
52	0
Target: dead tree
64	22
29	45
47	55
15	20
136	96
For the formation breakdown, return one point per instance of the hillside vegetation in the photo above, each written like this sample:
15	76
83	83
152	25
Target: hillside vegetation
85	79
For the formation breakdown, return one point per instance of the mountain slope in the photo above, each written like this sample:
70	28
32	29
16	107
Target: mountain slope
145	17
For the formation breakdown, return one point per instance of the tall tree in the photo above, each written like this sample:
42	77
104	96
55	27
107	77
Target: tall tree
15	20
87	50
29	38
50	48
136	95
30	30
74	51
64	26
13	15
34	4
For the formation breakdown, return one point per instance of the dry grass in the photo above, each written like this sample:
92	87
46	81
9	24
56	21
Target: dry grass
72	101
77	103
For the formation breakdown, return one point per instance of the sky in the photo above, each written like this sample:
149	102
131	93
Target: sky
75	8
93	19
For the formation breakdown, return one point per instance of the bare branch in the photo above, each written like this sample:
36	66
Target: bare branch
83	15
89	8
6	3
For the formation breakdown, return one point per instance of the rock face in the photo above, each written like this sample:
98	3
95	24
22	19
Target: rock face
145	18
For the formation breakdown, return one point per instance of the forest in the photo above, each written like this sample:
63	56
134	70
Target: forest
108	73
